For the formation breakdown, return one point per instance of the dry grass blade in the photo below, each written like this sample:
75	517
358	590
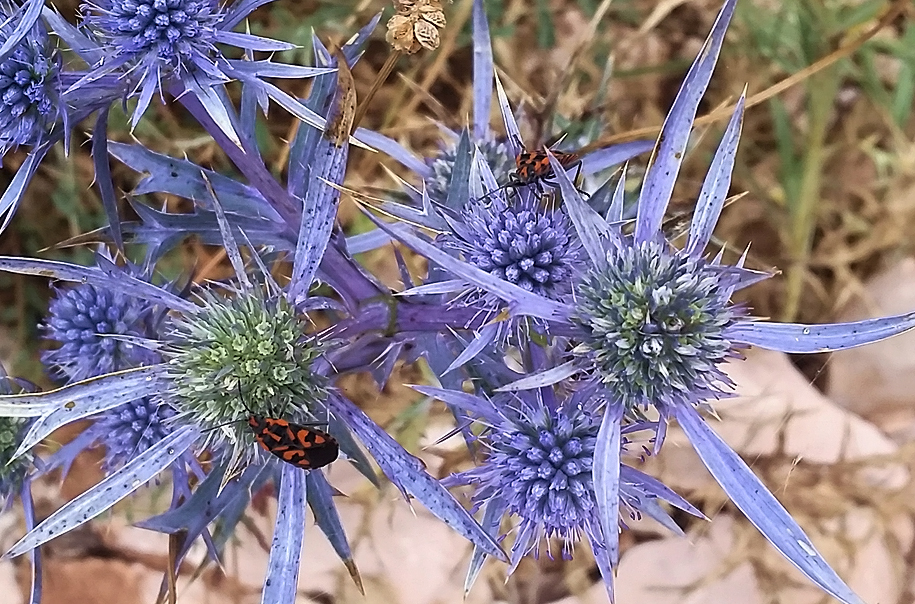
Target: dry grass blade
896	9
380	79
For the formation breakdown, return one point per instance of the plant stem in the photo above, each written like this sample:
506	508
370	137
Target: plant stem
802	211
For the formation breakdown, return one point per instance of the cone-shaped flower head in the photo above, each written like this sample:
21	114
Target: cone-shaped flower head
522	242
29	85
655	323
242	355
133	428
83	319
169	36
539	469
540	463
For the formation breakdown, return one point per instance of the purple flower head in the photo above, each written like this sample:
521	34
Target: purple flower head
655	325
539	463
167	36
521	241
133	428
85	320
172	46
539	468
29	85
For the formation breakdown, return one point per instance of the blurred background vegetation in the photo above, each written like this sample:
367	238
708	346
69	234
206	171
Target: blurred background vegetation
828	163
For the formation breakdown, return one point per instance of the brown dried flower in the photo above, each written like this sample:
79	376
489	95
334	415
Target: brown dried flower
416	25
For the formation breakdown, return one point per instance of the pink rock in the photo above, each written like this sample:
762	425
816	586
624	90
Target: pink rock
878	381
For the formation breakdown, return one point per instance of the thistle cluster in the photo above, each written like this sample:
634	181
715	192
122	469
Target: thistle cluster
555	327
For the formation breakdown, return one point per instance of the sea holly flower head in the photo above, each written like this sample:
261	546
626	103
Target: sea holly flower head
538	469
29	84
170	35
655	322
132	428
539	462
240	351
173	46
519	240
496	153
245	354
86	321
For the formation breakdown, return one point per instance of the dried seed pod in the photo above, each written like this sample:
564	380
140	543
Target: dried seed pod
416	25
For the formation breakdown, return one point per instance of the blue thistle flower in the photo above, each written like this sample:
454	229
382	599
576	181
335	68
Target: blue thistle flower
539	469
30	85
158	42
36	106
650	326
242	355
462	200
539	464
654	324
172	45
82	319
166	36
520	241
133	428
496	153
